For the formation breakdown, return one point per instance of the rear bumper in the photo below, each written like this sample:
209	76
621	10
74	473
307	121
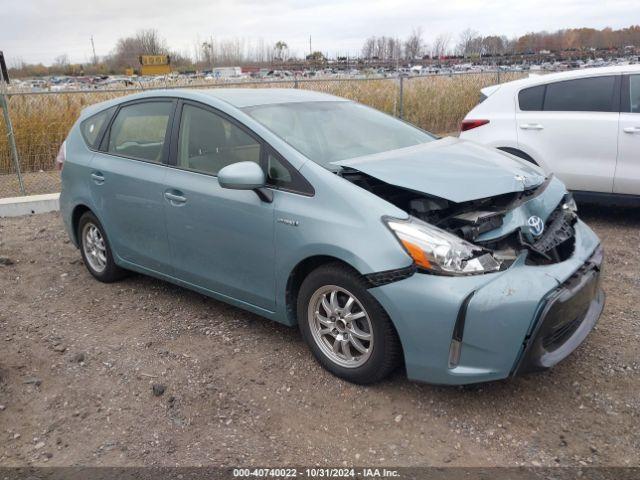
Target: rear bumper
569	314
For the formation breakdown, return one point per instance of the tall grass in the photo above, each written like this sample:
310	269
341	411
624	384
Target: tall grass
437	104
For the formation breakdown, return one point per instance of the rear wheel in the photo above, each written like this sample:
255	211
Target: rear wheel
95	250
347	330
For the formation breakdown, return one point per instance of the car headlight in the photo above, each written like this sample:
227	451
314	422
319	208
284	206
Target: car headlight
439	251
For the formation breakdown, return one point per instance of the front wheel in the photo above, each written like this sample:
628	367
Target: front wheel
346	328
96	251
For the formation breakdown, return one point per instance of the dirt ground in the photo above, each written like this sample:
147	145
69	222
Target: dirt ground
78	361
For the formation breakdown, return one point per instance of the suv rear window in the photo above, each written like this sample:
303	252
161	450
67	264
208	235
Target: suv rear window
92	127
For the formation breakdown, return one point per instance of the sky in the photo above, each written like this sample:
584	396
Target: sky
40	30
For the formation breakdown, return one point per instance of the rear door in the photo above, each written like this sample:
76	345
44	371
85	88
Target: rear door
627	178
127	182
571	129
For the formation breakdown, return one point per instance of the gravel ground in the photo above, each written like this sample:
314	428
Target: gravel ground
79	361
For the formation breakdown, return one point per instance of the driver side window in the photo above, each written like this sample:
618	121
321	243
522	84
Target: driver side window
208	142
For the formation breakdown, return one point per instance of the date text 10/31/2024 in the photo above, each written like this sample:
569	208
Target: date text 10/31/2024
315	473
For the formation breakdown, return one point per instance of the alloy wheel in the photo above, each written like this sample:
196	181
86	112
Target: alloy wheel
340	326
95	249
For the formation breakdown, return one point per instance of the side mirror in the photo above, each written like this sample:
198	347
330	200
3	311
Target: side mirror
242	176
245	176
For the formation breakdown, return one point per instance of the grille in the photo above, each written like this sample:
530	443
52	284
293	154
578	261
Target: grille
558	240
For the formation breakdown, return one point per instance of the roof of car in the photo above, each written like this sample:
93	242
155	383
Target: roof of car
249	97
235	97
535	79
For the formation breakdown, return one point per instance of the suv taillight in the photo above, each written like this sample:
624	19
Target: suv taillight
62	156
469	124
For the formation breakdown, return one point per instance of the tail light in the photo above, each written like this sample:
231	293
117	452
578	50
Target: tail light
470	124
62	156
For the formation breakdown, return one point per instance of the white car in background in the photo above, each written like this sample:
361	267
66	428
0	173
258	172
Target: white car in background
583	126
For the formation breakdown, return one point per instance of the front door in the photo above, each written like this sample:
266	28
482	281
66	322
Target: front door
221	240
127	184
627	179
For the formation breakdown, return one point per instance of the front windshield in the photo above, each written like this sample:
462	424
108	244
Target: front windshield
326	132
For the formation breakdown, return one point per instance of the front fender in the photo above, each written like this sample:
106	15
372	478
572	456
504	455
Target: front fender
341	221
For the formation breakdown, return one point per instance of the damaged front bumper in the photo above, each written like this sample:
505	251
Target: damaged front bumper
505	317
570	312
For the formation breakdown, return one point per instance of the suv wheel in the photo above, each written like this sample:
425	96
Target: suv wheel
347	330
95	250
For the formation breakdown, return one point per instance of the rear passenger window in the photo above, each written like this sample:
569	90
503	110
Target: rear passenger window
207	142
530	99
139	130
583	95
92	127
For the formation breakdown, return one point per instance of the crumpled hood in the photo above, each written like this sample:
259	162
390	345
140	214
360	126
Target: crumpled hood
449	168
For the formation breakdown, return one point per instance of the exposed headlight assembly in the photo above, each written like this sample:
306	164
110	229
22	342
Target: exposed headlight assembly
570	204
439	251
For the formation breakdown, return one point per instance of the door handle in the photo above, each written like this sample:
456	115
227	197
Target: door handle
175	199
631	129
97	177
531	126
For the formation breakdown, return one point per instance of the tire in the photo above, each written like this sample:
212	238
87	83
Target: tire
382	352
96	251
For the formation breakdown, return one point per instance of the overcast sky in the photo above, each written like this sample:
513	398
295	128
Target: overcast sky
40	30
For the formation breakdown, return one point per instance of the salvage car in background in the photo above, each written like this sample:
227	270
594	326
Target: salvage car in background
382	242
584	126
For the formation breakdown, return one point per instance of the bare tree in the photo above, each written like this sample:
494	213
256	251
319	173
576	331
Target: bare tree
441	45
395	49
61	61
207	53
129	49
150	42
493	45
281	50
467	42
413	45
369	47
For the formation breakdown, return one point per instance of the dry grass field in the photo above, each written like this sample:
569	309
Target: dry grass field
435	103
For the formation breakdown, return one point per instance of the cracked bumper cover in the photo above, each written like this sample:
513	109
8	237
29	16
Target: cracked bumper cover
503	321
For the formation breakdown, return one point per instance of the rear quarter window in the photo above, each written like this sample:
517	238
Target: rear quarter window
92	127
530	99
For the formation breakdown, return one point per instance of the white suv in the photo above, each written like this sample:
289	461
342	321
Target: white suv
583	125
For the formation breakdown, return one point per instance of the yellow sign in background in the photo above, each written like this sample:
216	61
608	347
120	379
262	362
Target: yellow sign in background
155	64
154	60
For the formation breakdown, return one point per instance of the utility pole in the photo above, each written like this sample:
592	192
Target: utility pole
93	48
310	51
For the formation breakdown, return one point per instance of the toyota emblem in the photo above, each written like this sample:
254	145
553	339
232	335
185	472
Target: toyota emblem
536	225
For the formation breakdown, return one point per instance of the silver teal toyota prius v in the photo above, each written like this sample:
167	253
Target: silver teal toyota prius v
382	242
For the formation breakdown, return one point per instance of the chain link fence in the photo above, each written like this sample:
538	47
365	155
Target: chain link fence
41	120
